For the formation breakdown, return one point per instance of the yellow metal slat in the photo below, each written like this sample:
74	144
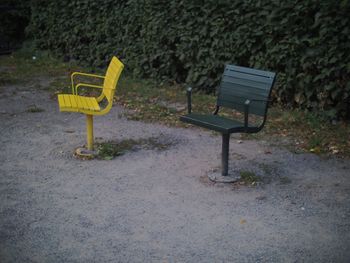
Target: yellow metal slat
73	99
85	105
79	103
70	100
66	101
89	103
60	101
95	105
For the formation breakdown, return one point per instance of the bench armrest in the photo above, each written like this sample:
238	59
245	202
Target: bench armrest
87	85
99	98
246	110
189	100
246	114
74	89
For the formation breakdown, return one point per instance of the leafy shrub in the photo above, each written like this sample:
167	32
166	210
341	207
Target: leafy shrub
306	42
14	18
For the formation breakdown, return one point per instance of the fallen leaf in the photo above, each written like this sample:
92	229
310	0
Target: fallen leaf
315	150
333	149
243	221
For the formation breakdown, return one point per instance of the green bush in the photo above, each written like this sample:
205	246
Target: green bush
306	42
14	18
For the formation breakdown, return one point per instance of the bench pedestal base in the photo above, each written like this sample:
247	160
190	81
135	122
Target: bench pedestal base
85	153
217	177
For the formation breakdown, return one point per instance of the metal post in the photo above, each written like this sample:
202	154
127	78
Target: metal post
224	155
189	100
90	132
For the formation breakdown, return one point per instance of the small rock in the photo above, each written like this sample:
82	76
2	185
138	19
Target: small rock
261	197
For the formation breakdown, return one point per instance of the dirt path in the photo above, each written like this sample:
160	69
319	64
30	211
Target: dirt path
159	206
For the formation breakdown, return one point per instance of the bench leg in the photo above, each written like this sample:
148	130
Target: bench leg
90	132
224	154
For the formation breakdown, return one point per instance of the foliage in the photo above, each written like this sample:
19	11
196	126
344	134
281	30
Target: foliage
111	149
191	41
34	109
14	18
249	177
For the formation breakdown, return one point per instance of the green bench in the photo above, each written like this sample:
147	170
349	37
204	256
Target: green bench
242	89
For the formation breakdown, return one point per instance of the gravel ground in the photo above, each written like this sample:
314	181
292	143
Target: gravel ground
158	205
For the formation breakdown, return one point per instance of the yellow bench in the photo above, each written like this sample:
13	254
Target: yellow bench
91	105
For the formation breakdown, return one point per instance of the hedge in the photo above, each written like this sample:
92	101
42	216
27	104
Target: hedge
306	42
14	16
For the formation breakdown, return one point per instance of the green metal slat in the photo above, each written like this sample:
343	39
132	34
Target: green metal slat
245	82
257	108
238	90
251	71
213	122
247	76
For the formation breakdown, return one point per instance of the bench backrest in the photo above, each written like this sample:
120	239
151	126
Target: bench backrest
240	83
114	70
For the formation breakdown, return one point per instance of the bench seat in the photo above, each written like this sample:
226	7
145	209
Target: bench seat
76	103
213	122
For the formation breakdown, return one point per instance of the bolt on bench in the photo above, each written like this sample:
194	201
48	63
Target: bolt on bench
245	90
91	105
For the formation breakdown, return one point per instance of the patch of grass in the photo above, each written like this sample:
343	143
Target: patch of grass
150	101
60	85
27	65
34	109
8	79
267	169
302	131
249	177
111	149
